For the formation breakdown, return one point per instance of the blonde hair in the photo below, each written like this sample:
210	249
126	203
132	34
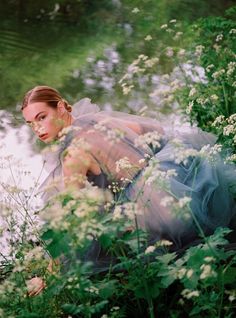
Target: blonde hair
45	94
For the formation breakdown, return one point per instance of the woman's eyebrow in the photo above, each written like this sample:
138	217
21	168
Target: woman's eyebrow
28	121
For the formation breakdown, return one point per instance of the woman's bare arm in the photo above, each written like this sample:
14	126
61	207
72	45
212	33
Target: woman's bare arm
76	164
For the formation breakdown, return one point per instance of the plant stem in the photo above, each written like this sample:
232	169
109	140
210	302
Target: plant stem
226	99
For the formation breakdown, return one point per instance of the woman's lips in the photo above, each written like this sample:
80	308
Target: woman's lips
43	136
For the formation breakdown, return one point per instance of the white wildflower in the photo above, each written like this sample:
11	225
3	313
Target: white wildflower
189	273
150	249
231	67
207	271
184	201
148	38
148	139
151	62
164	26
164	243
169	52
189	108
229	129
209	259
209	68
219	120
178	35
218	74
135	10
181	52
219	37
188	294
123	164
167	201
173	21
199	49
214	97
117	213
131	210
192	92
232	31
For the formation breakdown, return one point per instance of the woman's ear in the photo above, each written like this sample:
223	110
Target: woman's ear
61	108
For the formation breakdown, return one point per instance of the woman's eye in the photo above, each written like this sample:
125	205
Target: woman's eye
42	118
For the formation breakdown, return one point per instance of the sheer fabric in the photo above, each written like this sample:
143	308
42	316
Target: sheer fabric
110	137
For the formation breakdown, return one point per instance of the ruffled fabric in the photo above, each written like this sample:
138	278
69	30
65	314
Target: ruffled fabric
208	184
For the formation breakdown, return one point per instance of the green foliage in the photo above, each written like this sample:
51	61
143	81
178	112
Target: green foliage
107	268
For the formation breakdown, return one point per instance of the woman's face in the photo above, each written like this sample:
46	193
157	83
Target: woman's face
45	121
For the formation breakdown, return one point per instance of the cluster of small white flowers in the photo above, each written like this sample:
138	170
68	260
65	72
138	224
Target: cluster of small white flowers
79	143
181	53
218	74
234	84
151	62
209	68
177	35
123	164
207	271
54	214
232	31
202	101
231	158
135	10
214	97
231	68
65	131
229	130
188	293
219	37
126	88
192	92
218	121
113	135
167	201
231	119
232	295
92	290
150	249
153	174
164	26
7	287
115	308
151	138
199	49
115	187
183	272
131	210
209	259
189	108
183	202
117	213
181	154
169	52
148	38
36	253
163	243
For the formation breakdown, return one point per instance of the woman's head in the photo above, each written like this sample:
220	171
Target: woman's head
46	112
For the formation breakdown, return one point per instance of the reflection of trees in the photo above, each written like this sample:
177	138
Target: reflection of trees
69	10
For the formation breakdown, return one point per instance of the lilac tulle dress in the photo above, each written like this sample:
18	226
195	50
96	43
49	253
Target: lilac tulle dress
173	170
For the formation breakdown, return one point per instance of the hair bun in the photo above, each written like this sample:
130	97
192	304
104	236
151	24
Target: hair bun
67	106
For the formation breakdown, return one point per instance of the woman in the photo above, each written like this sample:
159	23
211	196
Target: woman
156	171
136	153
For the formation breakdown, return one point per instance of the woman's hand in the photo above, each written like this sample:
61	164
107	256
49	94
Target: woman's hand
35	286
